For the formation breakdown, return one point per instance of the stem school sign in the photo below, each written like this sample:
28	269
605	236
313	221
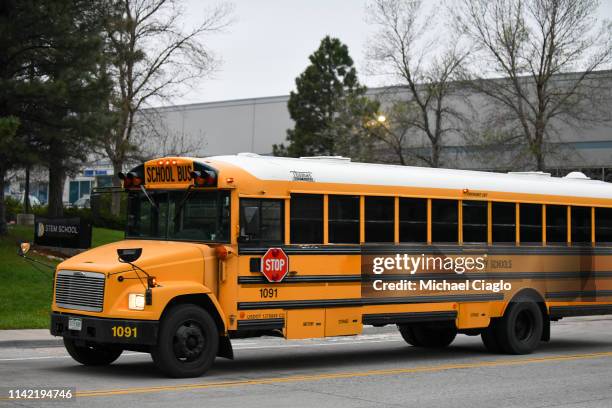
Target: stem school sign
62	232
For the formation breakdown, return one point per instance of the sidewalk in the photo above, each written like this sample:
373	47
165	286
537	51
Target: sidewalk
29	338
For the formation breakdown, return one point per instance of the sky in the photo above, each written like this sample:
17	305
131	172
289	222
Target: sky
268	43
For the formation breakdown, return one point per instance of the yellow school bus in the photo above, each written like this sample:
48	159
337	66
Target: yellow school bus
238	246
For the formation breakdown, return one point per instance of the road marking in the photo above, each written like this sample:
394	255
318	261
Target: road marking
342	375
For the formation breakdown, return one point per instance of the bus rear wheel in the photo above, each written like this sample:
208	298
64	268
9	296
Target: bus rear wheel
188	342
422	335
91	355
518	332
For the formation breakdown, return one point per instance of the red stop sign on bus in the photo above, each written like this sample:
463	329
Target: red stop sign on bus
275	264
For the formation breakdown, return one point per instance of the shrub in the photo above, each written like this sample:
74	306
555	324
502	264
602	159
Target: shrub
13	207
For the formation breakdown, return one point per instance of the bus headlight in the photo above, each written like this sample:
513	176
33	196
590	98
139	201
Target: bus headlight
136	301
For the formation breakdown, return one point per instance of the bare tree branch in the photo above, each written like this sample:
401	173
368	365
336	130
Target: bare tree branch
154	59
425	66
546	53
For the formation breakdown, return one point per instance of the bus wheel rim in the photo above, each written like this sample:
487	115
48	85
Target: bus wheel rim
189	342
523	326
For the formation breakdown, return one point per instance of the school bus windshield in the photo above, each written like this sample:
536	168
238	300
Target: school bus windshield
179	215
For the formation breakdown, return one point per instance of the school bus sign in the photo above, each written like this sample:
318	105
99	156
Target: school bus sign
176	172
275	264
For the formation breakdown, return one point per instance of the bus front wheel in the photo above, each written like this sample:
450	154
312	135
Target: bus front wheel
422	335
187	343
91	355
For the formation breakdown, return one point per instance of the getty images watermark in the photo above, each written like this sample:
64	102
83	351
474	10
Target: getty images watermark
398	272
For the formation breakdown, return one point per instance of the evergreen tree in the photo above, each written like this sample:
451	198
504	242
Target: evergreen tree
53	81
8	130
328	105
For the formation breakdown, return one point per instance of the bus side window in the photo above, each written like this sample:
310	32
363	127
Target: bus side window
603	225
556	223
504	222
379	219
444	220
581	225
343	219
531	223
261	221
413	219
474	221
306	219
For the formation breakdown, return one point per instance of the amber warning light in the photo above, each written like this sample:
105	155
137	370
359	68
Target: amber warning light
133	178
204	178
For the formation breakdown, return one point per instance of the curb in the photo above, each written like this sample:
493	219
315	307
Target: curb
58	342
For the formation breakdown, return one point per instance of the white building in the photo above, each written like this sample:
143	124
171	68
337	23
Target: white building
256	124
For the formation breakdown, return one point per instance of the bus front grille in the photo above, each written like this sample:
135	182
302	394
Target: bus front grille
80	290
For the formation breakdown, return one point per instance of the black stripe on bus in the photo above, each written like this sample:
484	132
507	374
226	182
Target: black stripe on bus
310	250
432	250
571	294
261	324
301	279
494	275
261	280
307	304
404	318
579	310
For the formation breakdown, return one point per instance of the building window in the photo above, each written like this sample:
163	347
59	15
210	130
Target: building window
413	219
474	221
104	181
78	189
556	223
504	222
603	224
444	221
581	225
343	219
306	219
379	219
261	221
531	223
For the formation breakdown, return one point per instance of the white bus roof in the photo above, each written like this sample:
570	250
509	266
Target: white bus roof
341	170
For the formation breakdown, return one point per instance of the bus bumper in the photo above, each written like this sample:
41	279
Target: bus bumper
104	330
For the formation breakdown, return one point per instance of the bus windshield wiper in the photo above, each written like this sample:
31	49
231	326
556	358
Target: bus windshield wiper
182	203
149	198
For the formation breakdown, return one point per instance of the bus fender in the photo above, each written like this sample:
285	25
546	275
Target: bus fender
171	293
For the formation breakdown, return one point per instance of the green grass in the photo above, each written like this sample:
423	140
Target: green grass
25	292
103	236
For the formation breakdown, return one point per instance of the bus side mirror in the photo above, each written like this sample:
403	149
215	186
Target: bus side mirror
24	248
129	255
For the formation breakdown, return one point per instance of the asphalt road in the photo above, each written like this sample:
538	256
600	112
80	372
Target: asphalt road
376	369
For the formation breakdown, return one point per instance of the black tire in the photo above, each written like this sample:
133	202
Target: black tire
92	355
489	338
520	330
188	342
428	336
408	335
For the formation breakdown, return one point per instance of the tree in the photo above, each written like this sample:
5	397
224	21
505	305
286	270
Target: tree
329	106
8	130
153	58
53	83
546	53
394	131
409	46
